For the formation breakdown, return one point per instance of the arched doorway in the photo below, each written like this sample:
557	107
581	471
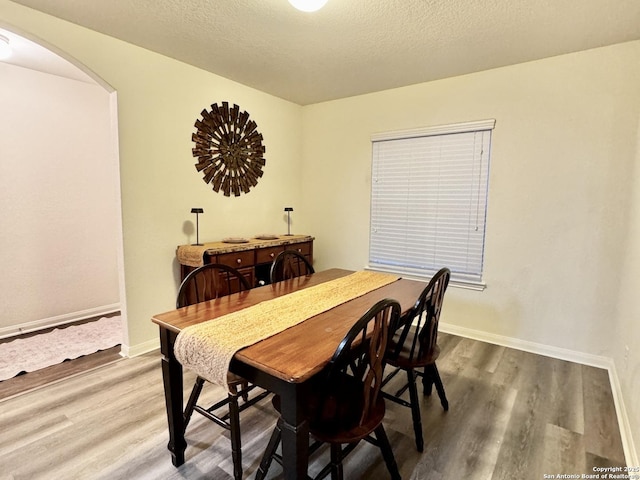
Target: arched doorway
61	223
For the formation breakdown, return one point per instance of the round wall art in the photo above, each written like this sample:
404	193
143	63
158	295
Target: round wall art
229	149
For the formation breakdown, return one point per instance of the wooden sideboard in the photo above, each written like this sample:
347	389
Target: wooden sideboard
253	259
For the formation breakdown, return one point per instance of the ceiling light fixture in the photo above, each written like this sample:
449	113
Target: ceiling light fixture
5	48
308	5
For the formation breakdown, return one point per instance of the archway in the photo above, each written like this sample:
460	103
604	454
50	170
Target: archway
61	239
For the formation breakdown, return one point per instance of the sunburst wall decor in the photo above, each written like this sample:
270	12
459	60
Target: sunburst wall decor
229	149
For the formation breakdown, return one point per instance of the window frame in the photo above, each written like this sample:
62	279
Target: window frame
466	127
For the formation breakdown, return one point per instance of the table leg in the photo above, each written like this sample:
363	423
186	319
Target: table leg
295	434
172	378
295	427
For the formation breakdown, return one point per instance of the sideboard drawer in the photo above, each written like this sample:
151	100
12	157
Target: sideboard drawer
301	248
267	255
237	259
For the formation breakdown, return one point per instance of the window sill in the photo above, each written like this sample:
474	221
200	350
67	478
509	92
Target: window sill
467	285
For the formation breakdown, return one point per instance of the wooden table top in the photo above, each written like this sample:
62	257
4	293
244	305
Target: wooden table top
301	351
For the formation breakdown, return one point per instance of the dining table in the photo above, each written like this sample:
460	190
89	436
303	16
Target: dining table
283	363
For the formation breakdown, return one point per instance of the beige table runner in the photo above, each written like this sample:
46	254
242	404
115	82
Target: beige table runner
207	348
191	255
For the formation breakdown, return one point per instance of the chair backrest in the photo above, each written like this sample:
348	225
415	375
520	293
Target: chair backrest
289	264
424	317
359	360
210	281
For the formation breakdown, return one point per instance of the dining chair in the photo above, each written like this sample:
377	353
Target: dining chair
209	282
414	346
344	404
289	264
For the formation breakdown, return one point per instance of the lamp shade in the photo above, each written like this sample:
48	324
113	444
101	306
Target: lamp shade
197	211
308	5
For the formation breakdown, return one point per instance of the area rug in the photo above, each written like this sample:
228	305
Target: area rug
66	343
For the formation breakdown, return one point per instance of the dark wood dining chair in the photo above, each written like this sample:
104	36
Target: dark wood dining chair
414	346
207	283
345	405
289	264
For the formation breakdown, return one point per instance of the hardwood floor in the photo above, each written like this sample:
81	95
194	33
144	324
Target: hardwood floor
512	415
25	382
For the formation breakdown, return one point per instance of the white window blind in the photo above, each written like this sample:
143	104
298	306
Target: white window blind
429	200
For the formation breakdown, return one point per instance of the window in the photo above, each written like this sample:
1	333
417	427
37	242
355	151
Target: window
429	201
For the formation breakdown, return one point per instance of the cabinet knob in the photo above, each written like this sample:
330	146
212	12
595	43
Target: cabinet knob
239	261
272	255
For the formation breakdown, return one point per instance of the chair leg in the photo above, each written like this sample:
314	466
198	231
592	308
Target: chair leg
243	387
193	400
387	452
272	446
236	441
415	409
336	462
427	381
439	387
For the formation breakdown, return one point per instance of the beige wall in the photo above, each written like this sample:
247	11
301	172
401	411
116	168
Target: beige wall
562	150
560	205
58	222
159	100
627	328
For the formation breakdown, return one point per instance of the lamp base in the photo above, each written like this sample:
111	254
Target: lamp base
197	244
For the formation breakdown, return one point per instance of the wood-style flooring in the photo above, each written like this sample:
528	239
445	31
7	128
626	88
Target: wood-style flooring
512	415
24	382
45	376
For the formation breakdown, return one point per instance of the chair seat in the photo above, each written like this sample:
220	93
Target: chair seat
333	432
405	360
233	379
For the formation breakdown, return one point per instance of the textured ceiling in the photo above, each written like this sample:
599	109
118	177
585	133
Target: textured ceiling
351	47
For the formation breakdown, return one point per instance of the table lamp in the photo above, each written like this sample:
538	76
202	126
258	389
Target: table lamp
288	210
197	211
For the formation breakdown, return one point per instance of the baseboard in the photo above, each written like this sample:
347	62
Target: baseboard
56	321
631	455
139	349
526	346
630	452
